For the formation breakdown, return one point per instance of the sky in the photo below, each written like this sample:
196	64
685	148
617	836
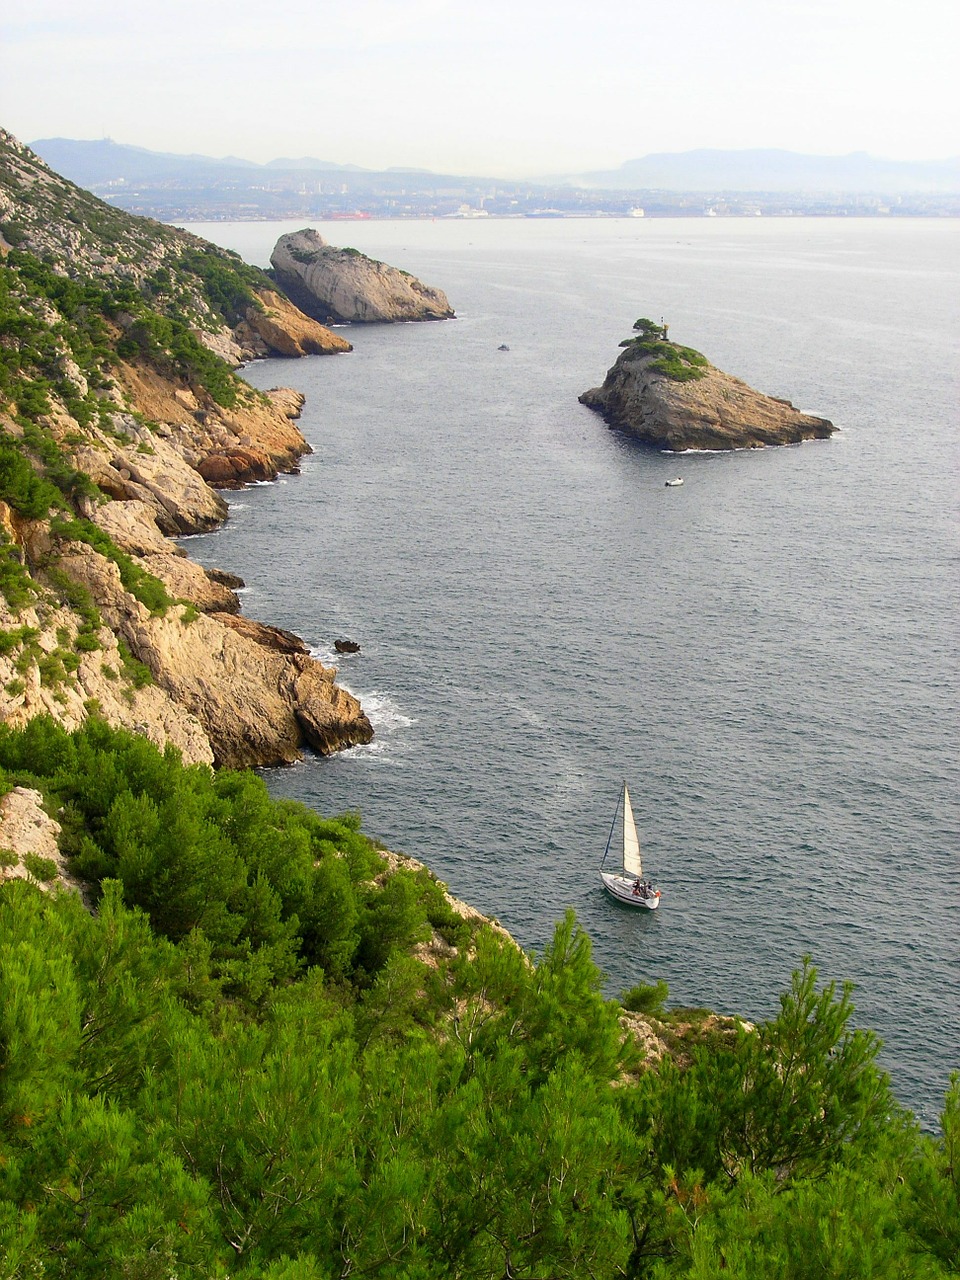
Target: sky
506	88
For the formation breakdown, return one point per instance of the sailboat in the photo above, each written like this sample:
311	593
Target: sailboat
627	885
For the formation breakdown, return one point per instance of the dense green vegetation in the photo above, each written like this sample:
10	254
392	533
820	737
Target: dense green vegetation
238	1066
682	364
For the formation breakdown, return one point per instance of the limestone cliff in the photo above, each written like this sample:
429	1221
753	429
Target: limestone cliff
120	416
344	285
274	326
672	397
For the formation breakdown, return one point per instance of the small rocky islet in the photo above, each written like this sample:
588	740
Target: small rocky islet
671	397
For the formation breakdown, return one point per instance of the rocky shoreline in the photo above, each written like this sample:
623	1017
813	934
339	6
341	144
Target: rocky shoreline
121	410
225	689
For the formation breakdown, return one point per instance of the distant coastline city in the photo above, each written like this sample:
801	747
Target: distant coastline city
179	188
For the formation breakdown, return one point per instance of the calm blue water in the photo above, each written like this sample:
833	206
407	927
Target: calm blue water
767	655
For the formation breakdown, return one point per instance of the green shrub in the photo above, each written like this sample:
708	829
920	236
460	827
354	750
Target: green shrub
42	869
646	998
649	328
20	485
135	672
682	364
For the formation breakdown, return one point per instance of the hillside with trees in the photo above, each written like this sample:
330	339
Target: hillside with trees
265	1054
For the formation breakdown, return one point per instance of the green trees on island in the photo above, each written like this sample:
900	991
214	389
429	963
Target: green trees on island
240	1064
682	364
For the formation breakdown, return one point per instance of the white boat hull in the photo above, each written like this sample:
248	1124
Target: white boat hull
621	888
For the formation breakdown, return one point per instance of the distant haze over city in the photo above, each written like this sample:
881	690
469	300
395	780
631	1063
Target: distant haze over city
704	169
183	188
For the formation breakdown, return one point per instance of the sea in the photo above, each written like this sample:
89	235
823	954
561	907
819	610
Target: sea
767	655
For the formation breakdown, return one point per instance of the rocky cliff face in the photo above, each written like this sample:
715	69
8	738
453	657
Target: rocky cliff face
704	409
119	419
183	672
276	327
346	286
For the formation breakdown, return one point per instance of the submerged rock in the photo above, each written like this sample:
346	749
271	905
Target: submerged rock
673	398
345	285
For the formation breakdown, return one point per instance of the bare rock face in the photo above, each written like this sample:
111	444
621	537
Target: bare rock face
258	703
161	479
29	842
278	328
709	410
262	633
191	447
186	580
343	285
133	527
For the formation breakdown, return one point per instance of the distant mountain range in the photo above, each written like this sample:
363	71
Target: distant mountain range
94	164
103	161
772	170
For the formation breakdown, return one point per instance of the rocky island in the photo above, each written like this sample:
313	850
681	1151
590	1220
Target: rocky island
345	286
671	397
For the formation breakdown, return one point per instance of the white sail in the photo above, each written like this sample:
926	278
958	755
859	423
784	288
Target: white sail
631	844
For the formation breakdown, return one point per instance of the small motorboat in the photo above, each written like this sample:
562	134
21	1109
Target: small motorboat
672	484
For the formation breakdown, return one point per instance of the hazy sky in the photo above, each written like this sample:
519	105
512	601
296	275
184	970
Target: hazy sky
500	87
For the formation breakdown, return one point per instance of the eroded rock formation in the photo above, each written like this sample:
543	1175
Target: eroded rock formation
279	328
222	689
116	427
343	285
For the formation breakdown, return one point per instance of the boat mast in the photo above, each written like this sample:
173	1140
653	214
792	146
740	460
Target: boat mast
616	814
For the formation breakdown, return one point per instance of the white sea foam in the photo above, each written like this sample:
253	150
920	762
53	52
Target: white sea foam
383	712
381	709
388	721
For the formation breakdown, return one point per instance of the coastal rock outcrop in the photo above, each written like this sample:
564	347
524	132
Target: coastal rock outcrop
344	285
672	397
256	704
277	328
